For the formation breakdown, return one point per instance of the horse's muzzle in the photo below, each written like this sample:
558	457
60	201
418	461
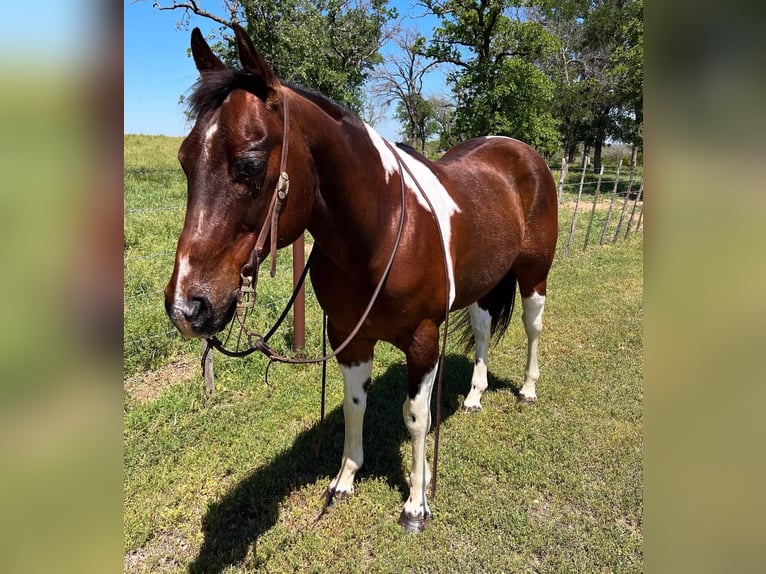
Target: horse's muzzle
195	317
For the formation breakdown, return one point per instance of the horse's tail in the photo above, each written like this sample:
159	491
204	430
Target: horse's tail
499	302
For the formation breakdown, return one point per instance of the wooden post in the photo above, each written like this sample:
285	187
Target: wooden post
207	367
577	203
593	209
299	308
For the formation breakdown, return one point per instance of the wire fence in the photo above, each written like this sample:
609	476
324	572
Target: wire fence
617	213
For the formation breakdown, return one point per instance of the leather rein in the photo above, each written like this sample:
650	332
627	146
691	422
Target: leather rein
246	294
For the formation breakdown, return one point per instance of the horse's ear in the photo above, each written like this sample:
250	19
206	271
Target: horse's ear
252	62
204	58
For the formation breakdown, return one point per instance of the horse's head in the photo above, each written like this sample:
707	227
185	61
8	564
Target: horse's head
231	159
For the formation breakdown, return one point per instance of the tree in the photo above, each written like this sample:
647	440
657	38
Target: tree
400	80
326	45
597	70
627	74
443	122
498	81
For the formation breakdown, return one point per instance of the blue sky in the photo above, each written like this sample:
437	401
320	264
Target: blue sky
158	71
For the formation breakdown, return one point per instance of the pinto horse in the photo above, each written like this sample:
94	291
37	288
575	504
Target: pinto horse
477	222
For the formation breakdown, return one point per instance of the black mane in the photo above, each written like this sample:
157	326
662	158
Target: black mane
213	86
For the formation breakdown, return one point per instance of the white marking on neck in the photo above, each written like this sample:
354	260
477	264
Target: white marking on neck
444	206
390	165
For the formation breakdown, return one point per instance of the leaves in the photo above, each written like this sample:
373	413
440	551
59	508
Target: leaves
328	46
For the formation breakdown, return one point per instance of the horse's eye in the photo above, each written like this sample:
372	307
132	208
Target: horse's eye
250	167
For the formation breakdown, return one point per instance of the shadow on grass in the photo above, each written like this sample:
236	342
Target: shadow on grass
239	518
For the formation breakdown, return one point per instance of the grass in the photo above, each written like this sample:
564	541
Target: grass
230	483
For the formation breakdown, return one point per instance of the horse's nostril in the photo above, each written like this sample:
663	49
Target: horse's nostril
191	308
198	310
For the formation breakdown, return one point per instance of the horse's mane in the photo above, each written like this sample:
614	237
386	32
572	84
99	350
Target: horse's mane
213	87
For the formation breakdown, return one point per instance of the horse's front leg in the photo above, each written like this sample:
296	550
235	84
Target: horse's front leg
422	362
356	367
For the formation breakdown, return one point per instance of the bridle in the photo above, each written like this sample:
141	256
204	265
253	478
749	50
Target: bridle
246	294
249	272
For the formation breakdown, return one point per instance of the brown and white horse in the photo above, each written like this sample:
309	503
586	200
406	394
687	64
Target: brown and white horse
494	198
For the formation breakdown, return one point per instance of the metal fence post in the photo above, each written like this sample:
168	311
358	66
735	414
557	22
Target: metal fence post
593	209
299	308
577	204
207	367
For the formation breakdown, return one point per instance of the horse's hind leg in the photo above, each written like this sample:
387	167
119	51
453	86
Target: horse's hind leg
533	304
481	322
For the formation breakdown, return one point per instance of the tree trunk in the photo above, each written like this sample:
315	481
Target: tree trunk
597	155
571	150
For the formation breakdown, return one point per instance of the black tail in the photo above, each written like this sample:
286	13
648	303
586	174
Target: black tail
499	302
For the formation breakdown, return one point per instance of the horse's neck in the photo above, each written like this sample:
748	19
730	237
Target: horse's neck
350	218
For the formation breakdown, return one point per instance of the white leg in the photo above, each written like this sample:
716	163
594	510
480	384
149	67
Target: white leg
533	325
481	321
417	418
355	382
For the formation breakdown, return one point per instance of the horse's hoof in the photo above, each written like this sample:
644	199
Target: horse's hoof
413	524
333	496
472	409
525	400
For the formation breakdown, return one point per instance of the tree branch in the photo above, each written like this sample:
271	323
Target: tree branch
192	6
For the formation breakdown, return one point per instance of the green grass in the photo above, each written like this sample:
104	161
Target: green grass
155	196
230	483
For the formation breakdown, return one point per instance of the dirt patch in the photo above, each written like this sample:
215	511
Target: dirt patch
166	553
148	386
600	206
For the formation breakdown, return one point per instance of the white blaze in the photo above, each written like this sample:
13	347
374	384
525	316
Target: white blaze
209	133
183	271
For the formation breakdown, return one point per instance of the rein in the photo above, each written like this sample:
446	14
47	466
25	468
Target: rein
249	280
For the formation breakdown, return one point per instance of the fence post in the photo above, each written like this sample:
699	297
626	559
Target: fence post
624	204
611	204
639	193
207	367
563	176
577	203
593	209
299	307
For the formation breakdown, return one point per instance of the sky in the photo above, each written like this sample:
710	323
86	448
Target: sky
158	69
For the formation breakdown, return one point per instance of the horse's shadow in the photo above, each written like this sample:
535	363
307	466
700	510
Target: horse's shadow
251	508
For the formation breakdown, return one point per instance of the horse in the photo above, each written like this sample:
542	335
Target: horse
478	222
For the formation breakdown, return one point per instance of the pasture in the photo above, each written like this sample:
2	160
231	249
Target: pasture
230	483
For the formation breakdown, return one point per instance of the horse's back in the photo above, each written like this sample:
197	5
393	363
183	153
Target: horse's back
497	168
515	159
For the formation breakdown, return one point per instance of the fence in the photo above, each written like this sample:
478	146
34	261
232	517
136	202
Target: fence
625	196
152	223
